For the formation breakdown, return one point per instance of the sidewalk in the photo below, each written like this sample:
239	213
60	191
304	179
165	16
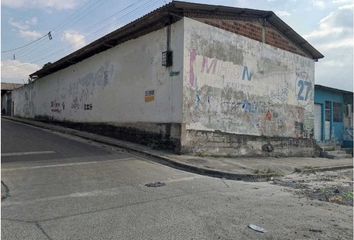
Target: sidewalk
248	169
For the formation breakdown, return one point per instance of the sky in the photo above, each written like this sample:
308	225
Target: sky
325	24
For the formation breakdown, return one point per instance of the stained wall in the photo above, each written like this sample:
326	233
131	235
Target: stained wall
237	85
123	86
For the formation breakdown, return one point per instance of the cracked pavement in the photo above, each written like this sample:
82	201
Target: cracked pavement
85	190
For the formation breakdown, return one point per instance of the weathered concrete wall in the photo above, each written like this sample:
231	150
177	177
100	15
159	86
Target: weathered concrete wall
125	86
6	103
225	94
236	85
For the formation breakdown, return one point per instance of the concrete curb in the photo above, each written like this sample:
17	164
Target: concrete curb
325	169
158	157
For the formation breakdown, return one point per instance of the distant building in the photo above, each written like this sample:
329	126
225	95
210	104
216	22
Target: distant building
6	100
333	116
195	78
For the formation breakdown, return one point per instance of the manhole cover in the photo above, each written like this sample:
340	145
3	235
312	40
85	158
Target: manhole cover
155	184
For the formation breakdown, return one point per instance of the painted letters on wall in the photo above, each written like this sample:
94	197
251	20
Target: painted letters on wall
238	85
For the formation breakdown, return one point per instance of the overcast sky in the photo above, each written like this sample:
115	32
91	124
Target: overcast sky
326	24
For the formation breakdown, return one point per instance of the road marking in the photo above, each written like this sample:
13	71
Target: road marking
95	193
64	164
25	153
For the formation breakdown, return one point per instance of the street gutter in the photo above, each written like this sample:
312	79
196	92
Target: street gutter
159	157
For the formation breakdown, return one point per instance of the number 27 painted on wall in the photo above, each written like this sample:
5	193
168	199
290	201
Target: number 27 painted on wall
304	89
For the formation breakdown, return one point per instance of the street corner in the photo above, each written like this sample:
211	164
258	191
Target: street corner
334	186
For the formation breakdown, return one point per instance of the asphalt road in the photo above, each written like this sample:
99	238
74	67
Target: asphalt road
62	187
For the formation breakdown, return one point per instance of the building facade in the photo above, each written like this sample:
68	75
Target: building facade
333	116
6	97
191	77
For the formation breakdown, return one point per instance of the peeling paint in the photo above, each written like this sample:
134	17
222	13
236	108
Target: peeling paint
242	86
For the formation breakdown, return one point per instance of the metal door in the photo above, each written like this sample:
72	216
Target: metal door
318	122
8	106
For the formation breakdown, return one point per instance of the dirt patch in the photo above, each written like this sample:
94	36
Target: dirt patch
332	186
5	192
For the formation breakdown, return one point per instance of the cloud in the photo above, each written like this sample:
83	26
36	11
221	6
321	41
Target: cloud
16	71
30	35
336	69
334	38
344	43
49	4
321	4
18	25
342	1
23	25
282	13
32	21
348	6
23	28
335	28
75	39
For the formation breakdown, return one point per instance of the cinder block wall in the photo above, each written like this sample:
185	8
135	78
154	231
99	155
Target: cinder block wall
256	30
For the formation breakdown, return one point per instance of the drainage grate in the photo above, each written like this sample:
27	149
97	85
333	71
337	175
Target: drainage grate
155	184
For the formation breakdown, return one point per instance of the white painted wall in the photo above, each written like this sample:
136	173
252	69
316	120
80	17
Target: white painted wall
238	85
226	82
110	86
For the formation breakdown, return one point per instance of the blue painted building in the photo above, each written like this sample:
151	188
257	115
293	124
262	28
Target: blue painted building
333	116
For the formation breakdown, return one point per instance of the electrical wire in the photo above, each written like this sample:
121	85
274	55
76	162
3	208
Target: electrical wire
131	13
23	46
87	6
100	29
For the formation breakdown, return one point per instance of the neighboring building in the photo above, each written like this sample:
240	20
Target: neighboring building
6	102
333	116
196	78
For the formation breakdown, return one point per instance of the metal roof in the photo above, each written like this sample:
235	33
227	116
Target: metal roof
317	86
10	86
169	14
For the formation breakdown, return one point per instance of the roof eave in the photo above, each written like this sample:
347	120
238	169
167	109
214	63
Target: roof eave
165	15
294	36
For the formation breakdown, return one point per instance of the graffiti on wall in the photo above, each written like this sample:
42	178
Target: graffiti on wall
88	106
304	86
208	68
28	106
56	106
81	90
246	75
214	66
304	89
223	96
192	59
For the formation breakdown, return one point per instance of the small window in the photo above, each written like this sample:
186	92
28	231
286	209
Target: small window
328	111
337	112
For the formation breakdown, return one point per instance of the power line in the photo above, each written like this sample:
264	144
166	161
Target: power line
80	15
131	13
49	33
27	44
147	4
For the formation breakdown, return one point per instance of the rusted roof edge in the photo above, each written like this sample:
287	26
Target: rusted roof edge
163	16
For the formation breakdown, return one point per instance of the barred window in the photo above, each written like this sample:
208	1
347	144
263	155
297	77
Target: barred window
328	111
337	112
